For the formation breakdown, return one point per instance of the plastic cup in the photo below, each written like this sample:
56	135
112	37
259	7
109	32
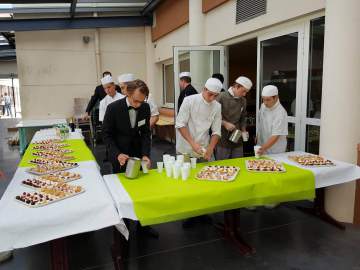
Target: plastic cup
168	169
193	162
166	157
176	171
245	136
180	158
256	151
160	166
185	172
144	166
172	158
187	165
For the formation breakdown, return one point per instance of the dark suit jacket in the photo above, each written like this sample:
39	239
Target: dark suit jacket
120	138
188	91
98	95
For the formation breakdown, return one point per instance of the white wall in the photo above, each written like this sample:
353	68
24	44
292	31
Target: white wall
56	66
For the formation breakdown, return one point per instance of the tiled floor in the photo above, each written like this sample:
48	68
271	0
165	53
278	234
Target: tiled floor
284	238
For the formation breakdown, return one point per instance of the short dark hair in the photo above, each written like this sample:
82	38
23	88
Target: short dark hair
218	76
186	79
106	73
138	84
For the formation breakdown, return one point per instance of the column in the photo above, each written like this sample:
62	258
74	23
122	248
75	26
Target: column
340	120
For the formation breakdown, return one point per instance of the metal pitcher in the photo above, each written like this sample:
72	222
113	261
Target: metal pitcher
235	136
133	167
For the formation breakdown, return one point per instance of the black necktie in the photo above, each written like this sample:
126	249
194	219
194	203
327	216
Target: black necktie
132	108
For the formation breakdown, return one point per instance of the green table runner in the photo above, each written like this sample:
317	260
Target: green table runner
159	199
81	152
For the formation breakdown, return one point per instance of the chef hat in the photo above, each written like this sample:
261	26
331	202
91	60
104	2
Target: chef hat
184	74
270	91
106	80
213	85
244	81
127	77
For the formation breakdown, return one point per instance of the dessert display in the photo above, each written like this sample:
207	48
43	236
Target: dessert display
311	160
52	155
62	176
218	173
52	147
48	141
34	199
55	163
264	165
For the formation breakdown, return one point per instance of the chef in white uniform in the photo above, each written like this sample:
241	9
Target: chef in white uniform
112	95
273	124
123	79
198	113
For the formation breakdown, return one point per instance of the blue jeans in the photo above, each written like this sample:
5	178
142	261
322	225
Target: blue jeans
8	109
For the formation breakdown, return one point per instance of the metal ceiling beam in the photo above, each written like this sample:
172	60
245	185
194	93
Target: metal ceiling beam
150	7
76	23
73	8
34	1
66	10
10	38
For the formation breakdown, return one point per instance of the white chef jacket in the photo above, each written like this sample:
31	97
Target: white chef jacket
273	122
153	107
105	102
198	116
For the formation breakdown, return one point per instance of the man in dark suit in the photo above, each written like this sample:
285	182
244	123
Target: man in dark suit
185	87
98	95
126	130
126	127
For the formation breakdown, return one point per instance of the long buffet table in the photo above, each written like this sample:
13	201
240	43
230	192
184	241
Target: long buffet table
22	226
152	198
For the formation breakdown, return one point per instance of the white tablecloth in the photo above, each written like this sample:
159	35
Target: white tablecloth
21	226
50	133
40	122
326	176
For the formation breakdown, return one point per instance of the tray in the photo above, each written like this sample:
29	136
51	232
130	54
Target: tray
50	171
293	158
61	180
217	179
283	170
55	199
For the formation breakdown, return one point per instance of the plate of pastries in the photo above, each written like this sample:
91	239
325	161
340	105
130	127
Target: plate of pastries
264	165
312	160
218	173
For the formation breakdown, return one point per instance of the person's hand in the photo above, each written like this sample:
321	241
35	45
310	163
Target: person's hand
229	126
197	148
208	154
148	161
86	116
2	174
122	158
261	151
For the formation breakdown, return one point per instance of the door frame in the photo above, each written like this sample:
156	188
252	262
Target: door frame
300	119
178	49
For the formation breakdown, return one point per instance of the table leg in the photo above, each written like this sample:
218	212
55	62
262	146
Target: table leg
59	254
231	232
118	250
319	211
22	140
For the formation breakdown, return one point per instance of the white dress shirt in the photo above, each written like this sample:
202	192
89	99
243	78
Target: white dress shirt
132	114
105	102
153	107
273	122
198	116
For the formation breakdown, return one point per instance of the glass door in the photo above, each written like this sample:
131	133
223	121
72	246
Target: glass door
280	63
201	62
